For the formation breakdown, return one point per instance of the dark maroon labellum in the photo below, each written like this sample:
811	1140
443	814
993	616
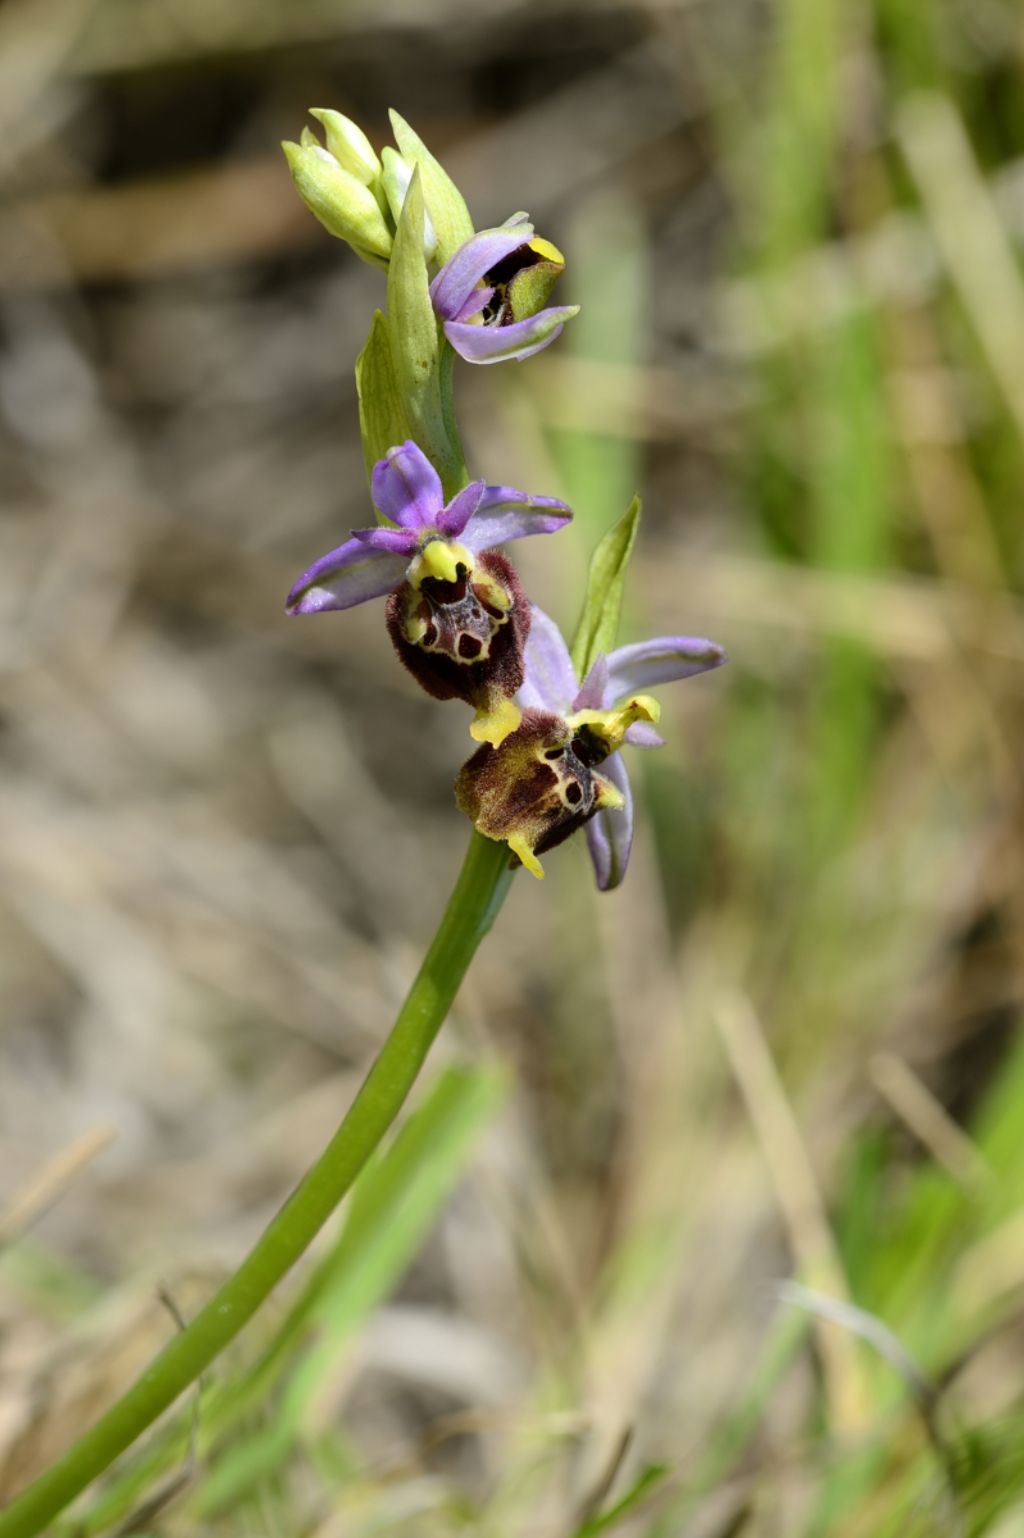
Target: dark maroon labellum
534	786
463	639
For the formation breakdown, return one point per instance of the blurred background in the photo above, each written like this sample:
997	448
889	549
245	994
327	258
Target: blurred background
709	1217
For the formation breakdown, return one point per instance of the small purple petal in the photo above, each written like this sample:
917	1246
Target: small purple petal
610	832
461	509
459	277
479	299
642	735
635	668
344	577
496	344
594	686
407	488
504	513
550	681
393	541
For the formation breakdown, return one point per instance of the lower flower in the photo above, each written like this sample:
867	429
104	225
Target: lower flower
536	788
561	769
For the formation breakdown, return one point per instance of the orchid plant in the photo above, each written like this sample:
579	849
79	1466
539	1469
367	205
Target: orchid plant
549	719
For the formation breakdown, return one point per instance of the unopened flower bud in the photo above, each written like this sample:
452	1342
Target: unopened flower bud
396	179
349	146
345	207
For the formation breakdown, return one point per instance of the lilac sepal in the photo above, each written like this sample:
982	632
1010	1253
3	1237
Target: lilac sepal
642	735
407	488
503	513
610	832
550	682
499	344
344	577
458	278
393	541
632	669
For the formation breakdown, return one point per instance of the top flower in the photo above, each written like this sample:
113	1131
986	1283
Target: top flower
492	295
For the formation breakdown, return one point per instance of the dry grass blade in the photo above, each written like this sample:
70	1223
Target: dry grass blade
50	1183
971	236
929	1121
800	1201
870	1328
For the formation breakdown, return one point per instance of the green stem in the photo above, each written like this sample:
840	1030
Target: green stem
472	908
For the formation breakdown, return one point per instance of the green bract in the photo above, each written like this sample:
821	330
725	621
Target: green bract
383	419
416	344
444	202
599	623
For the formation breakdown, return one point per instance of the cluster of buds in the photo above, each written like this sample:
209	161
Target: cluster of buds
346	184
491	294
548	761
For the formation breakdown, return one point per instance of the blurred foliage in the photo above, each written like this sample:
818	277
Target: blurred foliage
789	1047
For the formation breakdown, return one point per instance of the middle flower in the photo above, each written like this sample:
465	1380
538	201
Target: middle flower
457	615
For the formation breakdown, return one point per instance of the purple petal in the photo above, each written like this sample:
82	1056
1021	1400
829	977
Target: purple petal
392	541
407	488
496	344
642	735
594	686
635	668
344	577
461	509
458	278
504	513
479	299
610	833
550	681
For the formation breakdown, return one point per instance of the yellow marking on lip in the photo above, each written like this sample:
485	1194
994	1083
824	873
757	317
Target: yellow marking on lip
495	725
496	595
545	249
520	847
415	628
607	795
612	725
